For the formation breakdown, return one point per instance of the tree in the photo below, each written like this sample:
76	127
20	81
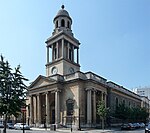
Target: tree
12	90
144	114
102	111
134	114
122	112
139	114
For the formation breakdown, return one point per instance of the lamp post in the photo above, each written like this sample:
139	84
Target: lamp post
44	107
23	110
45	122
79	121
71	119
71	123
28	120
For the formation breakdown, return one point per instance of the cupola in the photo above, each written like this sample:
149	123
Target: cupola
62	21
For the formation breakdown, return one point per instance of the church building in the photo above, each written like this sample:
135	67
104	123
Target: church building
66	95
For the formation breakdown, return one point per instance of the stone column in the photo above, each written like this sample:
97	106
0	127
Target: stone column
62	48
47	54
68	49
102	96
52	53
94	107
57	108
77	55
35	109
47	109
72	53
89	108
57	56
31	109
39	109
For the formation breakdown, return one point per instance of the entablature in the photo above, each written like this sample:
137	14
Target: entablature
62	35
122	90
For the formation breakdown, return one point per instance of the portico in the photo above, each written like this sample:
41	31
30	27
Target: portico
42	109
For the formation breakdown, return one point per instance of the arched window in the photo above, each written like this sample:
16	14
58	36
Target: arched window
68	24
57	24
70	106
63	23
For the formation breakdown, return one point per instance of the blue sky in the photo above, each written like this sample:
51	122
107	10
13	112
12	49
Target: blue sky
114	36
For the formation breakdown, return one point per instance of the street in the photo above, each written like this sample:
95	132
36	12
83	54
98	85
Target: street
133	131
68	131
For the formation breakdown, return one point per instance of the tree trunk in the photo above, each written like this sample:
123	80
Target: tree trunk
5	123
103	123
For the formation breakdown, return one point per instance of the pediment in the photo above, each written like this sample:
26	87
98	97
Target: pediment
41	81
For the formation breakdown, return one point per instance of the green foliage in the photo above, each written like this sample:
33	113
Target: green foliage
102	111
12	89
122	112
135	114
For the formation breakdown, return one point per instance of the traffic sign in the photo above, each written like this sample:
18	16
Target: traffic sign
23	109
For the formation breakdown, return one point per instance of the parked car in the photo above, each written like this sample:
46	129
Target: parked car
127	126
146	124
136	125
1	125
142	125
147	129
18	126
10	125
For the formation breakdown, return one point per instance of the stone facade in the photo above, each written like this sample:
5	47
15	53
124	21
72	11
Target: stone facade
118	94
66	95
48	98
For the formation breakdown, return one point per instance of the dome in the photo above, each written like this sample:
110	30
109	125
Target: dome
62	12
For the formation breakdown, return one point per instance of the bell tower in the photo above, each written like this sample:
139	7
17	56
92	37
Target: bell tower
62	47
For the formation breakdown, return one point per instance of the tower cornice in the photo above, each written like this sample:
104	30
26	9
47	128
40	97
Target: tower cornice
59	60
61	35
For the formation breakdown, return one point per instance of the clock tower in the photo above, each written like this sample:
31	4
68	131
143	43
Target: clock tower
62	47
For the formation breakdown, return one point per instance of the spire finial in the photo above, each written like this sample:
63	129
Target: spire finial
62	6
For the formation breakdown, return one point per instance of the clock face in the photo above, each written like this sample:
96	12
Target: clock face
54	70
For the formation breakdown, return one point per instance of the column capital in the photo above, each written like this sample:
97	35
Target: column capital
30	95
38	94
94	90
46	92
89	89
56	90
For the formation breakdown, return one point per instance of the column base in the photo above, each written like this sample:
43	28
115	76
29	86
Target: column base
57	125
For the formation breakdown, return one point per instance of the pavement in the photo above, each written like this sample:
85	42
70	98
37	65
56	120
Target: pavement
68	130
